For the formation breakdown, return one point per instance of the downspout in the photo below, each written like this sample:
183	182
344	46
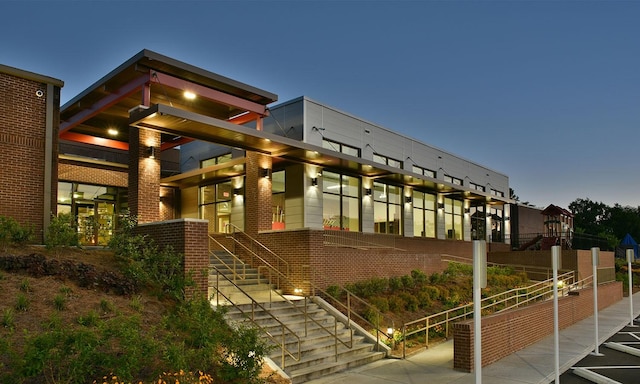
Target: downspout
48	158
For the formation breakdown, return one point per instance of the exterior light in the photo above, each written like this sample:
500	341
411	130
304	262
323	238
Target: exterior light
189	95
112	132
390	331
440	205
314	182
367	192
408	199
151	152
467	210
297	291
264	172
237	192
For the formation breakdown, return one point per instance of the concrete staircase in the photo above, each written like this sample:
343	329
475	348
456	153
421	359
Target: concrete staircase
246	278
317	348
317	345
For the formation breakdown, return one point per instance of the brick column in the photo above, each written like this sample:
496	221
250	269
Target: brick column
190	238
258	215
144	175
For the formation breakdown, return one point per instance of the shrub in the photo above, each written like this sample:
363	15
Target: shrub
407	282
424	299
431	291
59	302
8	318
419	277
396	304
62	232
89	320
11	232
142	261
395	284
334	291
22	302
381	303
411	302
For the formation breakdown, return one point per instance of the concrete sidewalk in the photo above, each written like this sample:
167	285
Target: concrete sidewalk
534	364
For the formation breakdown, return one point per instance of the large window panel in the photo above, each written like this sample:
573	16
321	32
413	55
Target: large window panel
387	208
341	202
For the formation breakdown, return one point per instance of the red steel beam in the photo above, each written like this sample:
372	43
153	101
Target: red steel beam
88	139
106	102
211	94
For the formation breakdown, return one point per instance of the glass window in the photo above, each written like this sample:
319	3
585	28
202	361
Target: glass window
215	205
387	208
215	160
478	223
341	202
277	199
387	160
424	214
339	147
453	218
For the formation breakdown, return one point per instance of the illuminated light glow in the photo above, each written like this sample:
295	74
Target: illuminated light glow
189	95
112	132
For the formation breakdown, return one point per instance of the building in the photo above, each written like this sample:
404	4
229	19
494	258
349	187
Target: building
334	196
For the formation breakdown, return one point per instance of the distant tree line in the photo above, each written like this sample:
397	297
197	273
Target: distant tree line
599	219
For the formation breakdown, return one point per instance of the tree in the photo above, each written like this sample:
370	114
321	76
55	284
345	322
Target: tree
589	216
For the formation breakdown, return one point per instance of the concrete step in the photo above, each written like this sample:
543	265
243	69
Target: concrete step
320	370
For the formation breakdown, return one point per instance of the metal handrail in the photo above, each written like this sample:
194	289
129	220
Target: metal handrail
283	327
236	260
285	278
534	292
357	240
236	229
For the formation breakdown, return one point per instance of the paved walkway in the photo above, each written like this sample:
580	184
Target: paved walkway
534	364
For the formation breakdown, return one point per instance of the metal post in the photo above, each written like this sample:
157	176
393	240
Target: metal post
479	282
555	260
629	258
595	256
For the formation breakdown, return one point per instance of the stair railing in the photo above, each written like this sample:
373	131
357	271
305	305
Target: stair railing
236	260
256	247
282	279
295	355
503	301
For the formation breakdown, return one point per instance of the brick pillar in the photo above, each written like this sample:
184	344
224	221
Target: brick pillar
144	175
258	215
29	122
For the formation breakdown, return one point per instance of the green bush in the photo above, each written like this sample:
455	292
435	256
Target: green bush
62	232
334	291
407	282
395	284
11	232
141	260
424	299
381	303
419	277
411	302
397	304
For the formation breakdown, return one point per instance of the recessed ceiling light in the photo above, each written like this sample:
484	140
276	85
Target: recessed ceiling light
112	132
189	95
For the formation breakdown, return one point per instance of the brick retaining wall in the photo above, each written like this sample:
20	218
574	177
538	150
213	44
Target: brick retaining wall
506	333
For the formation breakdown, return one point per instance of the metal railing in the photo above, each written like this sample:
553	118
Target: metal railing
257	248
503	301
282	342
283	283
359	240
233	268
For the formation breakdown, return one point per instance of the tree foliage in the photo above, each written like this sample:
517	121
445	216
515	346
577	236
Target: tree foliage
599	219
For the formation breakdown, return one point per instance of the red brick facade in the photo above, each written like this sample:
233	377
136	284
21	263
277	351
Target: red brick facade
144	175
92	174
508	332
188	237
24	103
257	194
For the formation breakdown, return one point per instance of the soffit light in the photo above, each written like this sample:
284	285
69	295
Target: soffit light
189	95
112	132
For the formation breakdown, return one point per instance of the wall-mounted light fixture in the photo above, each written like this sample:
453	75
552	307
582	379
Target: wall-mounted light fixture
440	205
408	199
265	172
151	152
314	181
507	218
237	192
467	210
367	192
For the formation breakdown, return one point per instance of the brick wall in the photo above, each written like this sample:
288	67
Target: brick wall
309	259
257	194
22	150
144	175
506	333
188	237
92	174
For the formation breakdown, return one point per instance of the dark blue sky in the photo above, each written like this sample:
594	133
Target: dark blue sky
547	92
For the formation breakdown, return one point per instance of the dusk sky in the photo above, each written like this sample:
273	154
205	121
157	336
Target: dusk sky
546	92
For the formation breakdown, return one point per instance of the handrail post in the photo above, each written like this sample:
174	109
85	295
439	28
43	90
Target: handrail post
335	333
283	346
446	325
306	316
349	309
404	341
426	333
217	288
